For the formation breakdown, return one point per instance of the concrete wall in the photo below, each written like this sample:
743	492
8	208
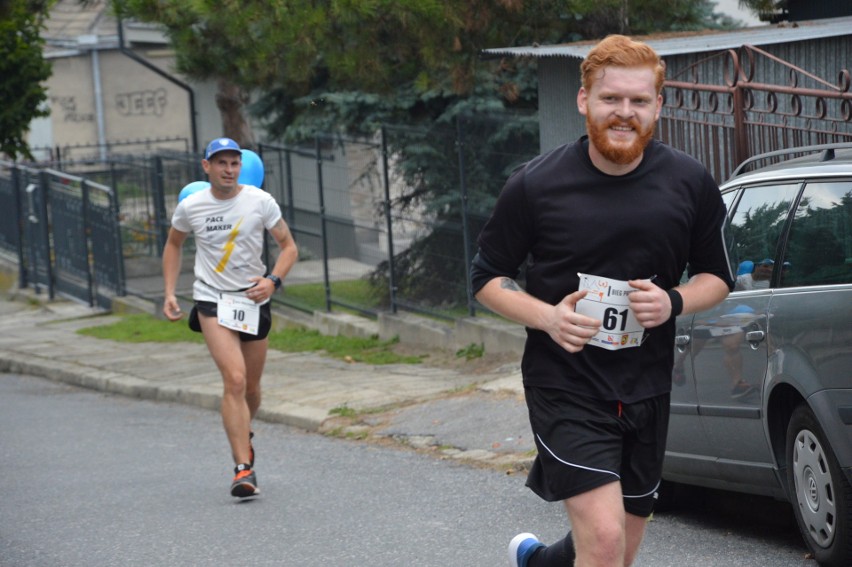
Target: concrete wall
102	96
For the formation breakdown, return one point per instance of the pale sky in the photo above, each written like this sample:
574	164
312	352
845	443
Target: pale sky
731	8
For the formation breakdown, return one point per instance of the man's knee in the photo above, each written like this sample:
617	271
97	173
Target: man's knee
234	383
605	545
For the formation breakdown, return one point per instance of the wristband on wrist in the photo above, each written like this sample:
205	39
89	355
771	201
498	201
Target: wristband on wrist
275	280
677	302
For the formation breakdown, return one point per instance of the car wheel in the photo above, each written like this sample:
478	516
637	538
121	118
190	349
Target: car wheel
821	494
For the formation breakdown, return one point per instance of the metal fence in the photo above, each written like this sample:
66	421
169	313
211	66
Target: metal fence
75	153
62	228
393	220
382	224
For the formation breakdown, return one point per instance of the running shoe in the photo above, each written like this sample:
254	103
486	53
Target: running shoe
741	389
521	548
244	483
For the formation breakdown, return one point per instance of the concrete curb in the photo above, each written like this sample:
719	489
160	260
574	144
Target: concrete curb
303	417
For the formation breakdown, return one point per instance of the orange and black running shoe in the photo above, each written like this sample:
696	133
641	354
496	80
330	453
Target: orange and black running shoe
244	483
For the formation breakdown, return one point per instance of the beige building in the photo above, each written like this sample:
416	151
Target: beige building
116	92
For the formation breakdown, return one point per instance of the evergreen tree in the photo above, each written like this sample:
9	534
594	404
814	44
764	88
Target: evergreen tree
24	71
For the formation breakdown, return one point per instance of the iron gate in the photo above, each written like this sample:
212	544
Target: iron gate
64	231
752	111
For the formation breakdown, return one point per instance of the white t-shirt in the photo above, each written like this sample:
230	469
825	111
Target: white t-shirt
747	281
228	238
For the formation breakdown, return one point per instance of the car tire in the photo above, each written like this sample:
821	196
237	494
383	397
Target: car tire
819	492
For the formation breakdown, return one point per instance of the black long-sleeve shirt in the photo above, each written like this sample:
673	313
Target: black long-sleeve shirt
562	215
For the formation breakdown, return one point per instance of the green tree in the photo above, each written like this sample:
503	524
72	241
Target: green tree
293	48
351	66
24	71
413	56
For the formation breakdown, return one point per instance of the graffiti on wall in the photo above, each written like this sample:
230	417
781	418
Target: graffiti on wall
142	103
68	104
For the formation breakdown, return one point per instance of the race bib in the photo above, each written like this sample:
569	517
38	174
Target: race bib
238	312
608	301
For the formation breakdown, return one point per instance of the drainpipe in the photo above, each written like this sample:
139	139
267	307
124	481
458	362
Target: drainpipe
99	103
166	76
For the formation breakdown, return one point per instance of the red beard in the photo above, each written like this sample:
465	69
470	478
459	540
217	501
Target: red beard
617	153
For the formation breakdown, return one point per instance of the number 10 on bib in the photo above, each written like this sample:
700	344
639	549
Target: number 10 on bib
608	301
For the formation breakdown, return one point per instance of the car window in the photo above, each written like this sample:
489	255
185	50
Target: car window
755	227
728	199
819	249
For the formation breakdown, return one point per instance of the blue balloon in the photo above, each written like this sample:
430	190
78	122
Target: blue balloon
193	187
741	309
252	170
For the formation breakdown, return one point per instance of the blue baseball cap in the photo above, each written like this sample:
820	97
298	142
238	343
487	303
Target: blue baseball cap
221	145
745	267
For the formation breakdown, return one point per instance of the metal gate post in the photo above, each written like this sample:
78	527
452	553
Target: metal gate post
42	218
388	221
464	202
20	214
159	199
323	230
87	247
741	152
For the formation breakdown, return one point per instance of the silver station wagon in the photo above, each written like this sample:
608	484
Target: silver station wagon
762	394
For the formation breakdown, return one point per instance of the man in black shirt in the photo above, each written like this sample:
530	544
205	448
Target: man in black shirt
607	225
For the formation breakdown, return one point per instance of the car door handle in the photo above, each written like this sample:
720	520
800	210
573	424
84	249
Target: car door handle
681	340
754	337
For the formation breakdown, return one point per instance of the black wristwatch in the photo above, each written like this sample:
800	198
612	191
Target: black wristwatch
275	279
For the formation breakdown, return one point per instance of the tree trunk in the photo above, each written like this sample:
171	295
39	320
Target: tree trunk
231	101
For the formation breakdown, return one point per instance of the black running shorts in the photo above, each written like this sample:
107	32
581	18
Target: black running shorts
584	444
208	308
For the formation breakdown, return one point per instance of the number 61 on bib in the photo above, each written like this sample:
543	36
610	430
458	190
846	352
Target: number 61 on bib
608	300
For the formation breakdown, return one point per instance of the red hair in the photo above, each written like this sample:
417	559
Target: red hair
621	51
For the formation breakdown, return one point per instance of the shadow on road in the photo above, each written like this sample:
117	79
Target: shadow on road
746	515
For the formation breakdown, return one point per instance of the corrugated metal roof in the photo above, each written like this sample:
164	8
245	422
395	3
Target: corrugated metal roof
70	19
697	42
73	25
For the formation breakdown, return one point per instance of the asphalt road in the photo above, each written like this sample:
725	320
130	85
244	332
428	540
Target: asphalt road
99	480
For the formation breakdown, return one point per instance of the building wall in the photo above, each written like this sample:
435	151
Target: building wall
140	104
72	116
559	121
105	97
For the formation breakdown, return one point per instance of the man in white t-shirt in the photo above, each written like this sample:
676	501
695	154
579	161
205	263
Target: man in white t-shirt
232	288
762	273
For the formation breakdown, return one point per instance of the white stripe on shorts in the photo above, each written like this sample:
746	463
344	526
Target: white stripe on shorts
564	462
643	495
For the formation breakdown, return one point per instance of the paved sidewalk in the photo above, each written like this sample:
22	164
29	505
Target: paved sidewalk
470	417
